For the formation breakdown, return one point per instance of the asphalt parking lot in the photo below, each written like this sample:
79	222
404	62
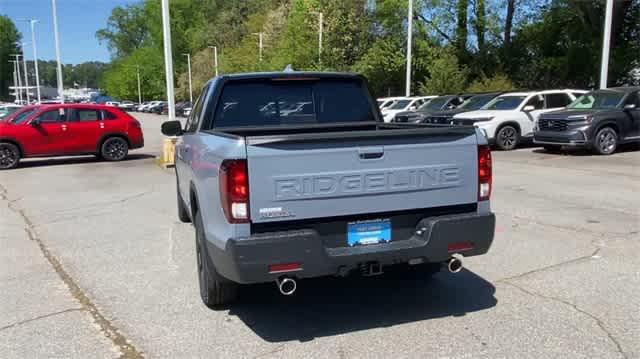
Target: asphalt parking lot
96	264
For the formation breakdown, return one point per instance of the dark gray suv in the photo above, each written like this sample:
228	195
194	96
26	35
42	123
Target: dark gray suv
600	120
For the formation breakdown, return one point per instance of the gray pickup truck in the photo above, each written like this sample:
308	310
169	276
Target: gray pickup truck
294	175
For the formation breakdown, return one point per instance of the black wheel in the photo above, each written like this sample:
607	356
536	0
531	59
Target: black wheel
215	290
552	148
183	213
114	149
507	138
9	155
606	141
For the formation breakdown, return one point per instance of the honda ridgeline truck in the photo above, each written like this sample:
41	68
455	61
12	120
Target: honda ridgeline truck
295	175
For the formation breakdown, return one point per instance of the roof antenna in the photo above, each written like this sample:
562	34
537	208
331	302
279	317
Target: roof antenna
288	68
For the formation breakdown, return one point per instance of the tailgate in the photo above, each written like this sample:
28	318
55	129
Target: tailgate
291	180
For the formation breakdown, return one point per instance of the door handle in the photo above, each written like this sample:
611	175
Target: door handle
371	153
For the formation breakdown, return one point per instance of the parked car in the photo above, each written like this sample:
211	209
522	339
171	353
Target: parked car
180	107
68	129
127	105
385	102
509	119
147	107
186	112
8	109
155	106
435	104
112	103
141	106
600	120
406	104
280	197
472	103
161	109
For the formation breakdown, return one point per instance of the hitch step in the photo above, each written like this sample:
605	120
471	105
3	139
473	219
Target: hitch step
371	269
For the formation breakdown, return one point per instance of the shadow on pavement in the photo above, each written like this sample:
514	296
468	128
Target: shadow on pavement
57	161
329	306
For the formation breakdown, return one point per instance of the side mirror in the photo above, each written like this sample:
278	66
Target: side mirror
172	128
35	122
528	108
629	107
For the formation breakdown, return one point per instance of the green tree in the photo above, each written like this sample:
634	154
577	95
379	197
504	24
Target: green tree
446	74
498	82
126	30
9	36
562	47
383	65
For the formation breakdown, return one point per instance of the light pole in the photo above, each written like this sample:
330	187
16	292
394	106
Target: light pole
26	75
189	70
215	57
15	82
320	29
409	34
606	45
17	64
57	44
168	58
259	34
35	55
139	92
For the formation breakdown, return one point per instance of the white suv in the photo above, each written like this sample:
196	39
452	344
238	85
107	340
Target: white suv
509	118
402	105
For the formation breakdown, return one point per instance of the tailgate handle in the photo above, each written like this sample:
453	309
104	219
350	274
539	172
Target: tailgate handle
371	154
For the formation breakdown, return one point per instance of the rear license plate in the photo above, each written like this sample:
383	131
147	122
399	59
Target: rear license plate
369	232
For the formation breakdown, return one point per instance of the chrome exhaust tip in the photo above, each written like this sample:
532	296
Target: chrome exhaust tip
454	265
286	285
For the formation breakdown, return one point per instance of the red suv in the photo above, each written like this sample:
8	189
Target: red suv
68	129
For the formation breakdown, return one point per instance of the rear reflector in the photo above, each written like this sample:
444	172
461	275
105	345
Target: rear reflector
285	267
459	247
485	176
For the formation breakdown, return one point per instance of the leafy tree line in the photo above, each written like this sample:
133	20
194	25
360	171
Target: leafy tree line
459	45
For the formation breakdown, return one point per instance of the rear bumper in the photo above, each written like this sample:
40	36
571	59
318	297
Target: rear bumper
575	138
247	260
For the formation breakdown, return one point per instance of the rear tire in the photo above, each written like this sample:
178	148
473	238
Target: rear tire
215	290
606	141
114	149
507	138
9	155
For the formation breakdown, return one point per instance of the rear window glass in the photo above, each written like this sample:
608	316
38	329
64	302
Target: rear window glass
292	103
108	115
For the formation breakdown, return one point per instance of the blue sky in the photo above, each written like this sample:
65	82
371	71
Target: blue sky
78	21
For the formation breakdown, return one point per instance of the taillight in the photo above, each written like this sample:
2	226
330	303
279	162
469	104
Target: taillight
484	173
234	190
